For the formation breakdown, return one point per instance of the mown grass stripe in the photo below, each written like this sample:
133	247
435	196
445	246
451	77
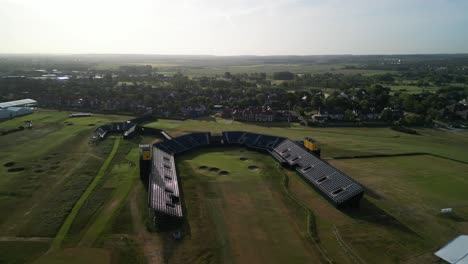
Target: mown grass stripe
119	196
57	242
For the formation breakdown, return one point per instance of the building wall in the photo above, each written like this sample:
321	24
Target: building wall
4	114
9	113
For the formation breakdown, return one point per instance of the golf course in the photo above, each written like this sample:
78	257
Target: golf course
64	198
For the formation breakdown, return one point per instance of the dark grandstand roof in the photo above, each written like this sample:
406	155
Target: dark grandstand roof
126	128
252	139
183	143
335	185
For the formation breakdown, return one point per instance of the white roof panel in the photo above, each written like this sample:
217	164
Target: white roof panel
17	103
456	251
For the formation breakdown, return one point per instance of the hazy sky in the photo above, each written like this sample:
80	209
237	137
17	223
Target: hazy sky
234	27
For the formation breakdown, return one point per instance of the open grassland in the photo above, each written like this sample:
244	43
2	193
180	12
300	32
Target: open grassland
56	164
400	216
56	244
413	89
269	68
338	142
238	212
412	190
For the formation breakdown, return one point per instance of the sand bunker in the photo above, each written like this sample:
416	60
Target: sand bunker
203	167
214	169
253	167
244	158
8	164
16	169
224	173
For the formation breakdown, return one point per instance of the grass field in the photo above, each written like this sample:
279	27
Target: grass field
219	69
245	216
221	207
57	167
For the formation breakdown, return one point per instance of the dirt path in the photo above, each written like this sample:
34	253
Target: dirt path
152	245
26	239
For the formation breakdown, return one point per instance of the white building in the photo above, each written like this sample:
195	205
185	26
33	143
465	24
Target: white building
11	112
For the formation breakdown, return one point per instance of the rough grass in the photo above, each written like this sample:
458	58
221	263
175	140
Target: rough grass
242	218
58	166
349	141
123	176
403	220
76	256
21	252
69	220
104	193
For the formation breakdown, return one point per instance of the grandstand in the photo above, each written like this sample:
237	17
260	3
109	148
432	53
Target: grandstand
334	185
164	200
127	129
163	193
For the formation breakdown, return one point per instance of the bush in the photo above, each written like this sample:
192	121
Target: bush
405	130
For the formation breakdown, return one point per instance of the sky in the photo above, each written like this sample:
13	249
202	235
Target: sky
234	27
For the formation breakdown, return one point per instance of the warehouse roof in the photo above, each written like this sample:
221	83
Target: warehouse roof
22	102
456	251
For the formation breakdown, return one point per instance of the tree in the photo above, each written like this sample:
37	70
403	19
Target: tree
261	97
285	76
387	114
349	115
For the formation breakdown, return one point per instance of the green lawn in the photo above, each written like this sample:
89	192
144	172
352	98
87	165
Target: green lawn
164	124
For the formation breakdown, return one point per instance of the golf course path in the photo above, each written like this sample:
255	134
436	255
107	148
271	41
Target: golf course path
151	245
26	239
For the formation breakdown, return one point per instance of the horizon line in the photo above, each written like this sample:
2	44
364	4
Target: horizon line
213	55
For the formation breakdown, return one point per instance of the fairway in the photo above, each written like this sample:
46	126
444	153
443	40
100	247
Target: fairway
244	210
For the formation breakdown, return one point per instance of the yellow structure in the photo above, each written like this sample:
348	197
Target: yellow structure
311	144
145	152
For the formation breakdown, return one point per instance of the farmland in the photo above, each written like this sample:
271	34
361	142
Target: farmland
243	215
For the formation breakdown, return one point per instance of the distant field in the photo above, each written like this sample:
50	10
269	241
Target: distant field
412	89
220	69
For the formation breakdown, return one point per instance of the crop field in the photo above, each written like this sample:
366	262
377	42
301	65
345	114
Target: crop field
64	199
